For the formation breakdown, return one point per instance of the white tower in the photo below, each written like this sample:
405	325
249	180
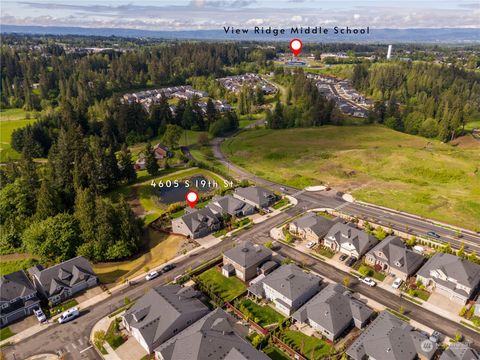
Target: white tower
389	52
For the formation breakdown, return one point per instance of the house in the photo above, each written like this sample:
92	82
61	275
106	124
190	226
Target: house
216	336
332	311
62	281
393	256
197	223
161	152
18	297
450	275
311	227
288	287
256	196
161	313
231	206
245	260
390	338
460	351
140	163
349	240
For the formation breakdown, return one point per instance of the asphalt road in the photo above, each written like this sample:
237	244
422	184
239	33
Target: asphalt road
398	221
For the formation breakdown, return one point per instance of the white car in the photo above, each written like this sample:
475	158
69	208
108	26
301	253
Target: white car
310	244
68	315
152	275
397	283
368	281
40	315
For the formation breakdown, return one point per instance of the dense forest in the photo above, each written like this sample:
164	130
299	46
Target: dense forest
420	98
58	209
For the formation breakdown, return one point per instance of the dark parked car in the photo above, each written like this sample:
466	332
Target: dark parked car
350	261
168	267
433	234
342	257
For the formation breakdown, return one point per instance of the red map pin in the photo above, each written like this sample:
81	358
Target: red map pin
192	198
296	46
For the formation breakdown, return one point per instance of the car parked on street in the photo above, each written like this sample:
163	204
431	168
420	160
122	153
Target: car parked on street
397	283
168	267
152	275
433	234
368	281
343	257
38	312
69	315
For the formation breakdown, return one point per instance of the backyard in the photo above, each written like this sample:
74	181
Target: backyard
311	347
14	262
275	353
226	288
374	163
263	315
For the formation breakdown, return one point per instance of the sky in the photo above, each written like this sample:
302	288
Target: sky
214	14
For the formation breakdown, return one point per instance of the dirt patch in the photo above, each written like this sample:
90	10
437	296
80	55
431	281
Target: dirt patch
466	142
134	202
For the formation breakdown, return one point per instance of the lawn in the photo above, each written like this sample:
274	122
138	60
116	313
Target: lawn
374	163
307	345
227	288
5	333
262	314
367	270
9	266
161	248
58	309
325	251
275	353
281	203
113	335
10	119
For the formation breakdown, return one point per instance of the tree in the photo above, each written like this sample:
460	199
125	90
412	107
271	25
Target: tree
172	136
125	165
346	281
53	239
48	202
461	251
211	112
151	163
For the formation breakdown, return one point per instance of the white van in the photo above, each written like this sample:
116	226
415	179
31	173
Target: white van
68	315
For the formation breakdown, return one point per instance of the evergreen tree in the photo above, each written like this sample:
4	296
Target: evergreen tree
150	162
125	165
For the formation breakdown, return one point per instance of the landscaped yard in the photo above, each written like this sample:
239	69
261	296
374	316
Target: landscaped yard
281	203
11	119
58	309
325	251
275	353
113	335
419	293
262	314
226	288
161	248
366	270
5	333
311	347
374	163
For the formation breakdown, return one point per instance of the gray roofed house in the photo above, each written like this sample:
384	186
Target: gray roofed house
18	297
311	226
460	351
332	311
197	223
59	282
349	240
451	276
289	287
213	337
230	205
256	196
390	338
246	258
393	256
163	312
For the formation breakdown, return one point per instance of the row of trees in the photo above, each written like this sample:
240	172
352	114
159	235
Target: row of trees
420	98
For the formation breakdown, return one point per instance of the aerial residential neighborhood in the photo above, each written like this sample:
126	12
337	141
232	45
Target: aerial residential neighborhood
239	180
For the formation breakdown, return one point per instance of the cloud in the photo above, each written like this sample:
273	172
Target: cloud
222	3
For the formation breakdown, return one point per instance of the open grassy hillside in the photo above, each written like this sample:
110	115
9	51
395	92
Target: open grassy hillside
375	163
10	119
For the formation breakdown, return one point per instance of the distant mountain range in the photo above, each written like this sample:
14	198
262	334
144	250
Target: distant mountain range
424	35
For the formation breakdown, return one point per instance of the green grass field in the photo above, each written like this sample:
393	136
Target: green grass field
374	163
7	267
275	353
311	347
10	119
227	288
262	314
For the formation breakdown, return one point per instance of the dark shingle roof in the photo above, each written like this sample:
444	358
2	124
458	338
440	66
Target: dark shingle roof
201	218
347	233
319	224
213	337
255	194
247	254
333	308
460	351
15	285
164	308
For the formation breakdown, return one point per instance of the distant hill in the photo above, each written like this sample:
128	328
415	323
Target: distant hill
447	35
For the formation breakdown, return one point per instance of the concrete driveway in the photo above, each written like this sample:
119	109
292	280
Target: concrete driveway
444	303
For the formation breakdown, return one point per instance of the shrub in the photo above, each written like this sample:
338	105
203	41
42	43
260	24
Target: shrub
365	270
